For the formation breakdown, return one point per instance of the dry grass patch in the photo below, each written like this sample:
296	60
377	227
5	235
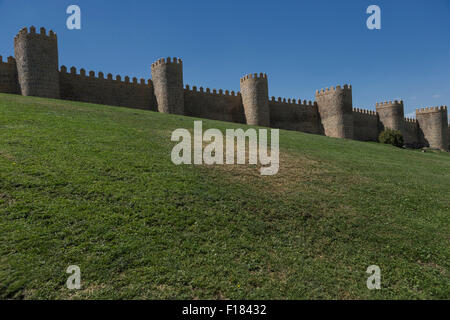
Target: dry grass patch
295	171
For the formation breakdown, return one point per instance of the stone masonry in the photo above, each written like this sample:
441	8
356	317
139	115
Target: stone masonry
391	115
37	63
336	111
35	72
167	78
433	126
255	98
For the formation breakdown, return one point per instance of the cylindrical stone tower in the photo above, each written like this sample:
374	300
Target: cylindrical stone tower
391	115
336	111
433	124
167	76
37	63
255	98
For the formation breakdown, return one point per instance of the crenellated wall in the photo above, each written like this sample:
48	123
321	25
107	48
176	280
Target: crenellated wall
216	105
365	125
34	71
101	90
9	82
411	133
448	131
293	115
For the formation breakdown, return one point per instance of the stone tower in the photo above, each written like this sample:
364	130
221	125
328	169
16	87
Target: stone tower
433	125
167	76
37	63
255	98
391	115
336	111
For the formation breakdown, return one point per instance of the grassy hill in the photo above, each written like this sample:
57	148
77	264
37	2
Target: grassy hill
93	186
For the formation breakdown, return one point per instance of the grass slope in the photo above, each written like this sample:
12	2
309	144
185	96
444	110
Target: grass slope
94	186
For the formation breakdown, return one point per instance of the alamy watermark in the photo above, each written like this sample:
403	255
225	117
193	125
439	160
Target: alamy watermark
74	20
74	281
235	141
374	21
374	281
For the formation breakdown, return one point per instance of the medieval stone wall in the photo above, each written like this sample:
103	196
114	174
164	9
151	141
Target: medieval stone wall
34	71
292	115
228	106
9	82
365	125
101	90
448	135
411	133
215	105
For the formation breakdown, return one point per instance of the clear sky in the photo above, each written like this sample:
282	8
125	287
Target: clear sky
302	45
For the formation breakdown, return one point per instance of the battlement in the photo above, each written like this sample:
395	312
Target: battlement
365	111
8	76
24	32
294	102
253	76
91	76
442	109
35	71
167	60
387	104
333	89
10	60
219	92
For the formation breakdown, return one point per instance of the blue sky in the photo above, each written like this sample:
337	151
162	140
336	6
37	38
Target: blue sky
301	45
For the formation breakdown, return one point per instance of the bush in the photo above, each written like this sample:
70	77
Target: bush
390	136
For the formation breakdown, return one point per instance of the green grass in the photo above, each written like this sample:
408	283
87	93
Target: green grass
94	186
